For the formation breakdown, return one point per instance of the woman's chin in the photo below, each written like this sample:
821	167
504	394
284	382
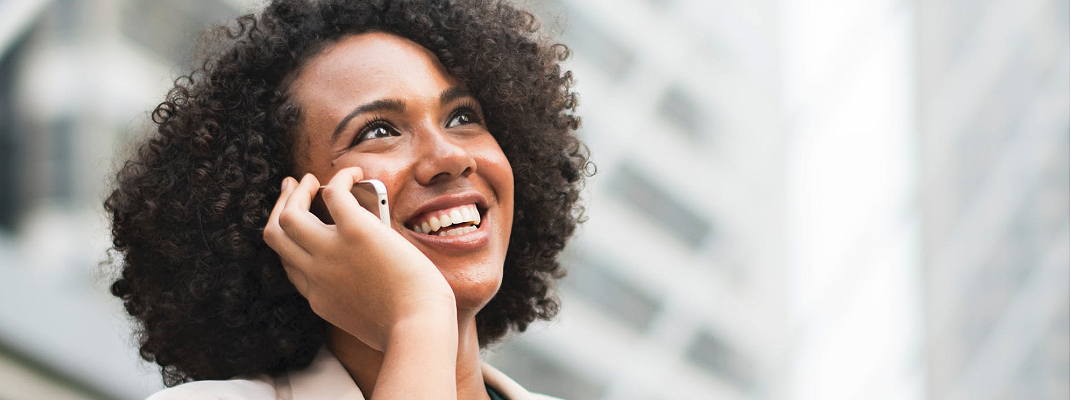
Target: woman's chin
472	289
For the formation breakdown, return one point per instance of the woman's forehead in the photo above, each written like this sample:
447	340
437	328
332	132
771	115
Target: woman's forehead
372	65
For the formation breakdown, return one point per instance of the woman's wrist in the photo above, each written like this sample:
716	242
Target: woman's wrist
432	319
420	358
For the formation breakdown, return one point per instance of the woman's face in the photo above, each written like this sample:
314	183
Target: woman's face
385	104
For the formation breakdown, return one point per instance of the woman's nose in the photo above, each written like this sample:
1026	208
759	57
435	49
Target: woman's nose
442	158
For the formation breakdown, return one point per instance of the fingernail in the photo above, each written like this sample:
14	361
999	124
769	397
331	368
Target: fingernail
286	182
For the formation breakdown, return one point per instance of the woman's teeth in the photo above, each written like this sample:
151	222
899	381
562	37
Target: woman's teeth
460	220
457	231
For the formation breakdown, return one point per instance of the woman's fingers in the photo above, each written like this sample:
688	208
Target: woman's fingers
299	224
340	202
289	251
276	237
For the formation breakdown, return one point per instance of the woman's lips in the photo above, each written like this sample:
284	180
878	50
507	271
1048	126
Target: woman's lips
464	242
472	209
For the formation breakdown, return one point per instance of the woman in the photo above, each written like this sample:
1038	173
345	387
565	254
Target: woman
238	290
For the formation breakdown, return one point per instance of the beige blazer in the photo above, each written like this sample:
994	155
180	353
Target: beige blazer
324	379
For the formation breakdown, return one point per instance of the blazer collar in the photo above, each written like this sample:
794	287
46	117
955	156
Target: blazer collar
327	379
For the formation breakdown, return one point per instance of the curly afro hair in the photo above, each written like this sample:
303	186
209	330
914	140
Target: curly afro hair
210	298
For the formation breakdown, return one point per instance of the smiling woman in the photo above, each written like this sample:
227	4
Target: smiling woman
458	107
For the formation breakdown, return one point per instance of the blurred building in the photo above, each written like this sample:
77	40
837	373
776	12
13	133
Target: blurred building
853	219
77	78
993	122
676	285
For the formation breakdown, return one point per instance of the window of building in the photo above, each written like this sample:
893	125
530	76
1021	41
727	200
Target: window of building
154	24
711	353
659	206
596	46
10	150
596	282
682	110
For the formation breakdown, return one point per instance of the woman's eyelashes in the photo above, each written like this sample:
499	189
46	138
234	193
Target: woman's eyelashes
377	128
465	114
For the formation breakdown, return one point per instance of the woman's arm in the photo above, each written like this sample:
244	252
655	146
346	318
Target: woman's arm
420	360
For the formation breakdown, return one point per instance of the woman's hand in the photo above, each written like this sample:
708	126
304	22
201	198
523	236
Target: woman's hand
358	274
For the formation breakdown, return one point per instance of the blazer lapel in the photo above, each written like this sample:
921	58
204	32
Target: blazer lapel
510	389
324	379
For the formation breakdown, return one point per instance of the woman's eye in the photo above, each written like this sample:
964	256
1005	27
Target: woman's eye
462	117
378	131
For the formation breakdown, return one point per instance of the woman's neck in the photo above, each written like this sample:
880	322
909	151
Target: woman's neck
364	363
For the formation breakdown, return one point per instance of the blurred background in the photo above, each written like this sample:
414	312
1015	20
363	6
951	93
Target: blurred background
820	199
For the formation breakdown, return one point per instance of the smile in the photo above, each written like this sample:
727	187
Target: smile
448	222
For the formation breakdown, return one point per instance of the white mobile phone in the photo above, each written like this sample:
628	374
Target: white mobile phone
370	193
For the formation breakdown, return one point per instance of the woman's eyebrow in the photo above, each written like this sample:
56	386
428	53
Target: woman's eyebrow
378	105
454	93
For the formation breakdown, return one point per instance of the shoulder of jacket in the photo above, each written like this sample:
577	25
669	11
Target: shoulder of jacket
233	389
508	387
538	396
